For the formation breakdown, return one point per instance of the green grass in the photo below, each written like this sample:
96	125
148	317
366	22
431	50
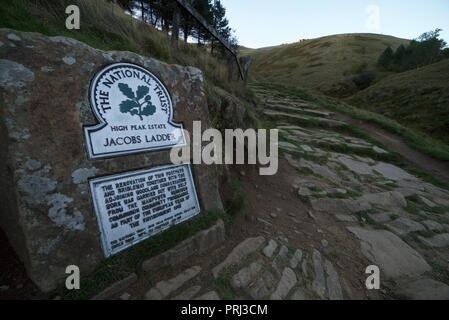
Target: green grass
297	154
441	270
237	201
413	208
426	177
223	283
15	16
350	194
439	209
413	138
363	152
418	99
344	149
427	145
106	26
425	233
327	64
364	217
123	264
414	205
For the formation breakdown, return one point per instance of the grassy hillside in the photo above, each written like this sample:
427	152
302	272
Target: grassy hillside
414	138
417	99
326	64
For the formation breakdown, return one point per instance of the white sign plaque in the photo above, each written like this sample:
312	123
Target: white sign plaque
134	110
136	205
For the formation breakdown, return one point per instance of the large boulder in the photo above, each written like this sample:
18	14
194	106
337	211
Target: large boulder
45	204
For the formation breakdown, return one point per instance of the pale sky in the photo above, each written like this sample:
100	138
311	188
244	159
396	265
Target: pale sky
261	23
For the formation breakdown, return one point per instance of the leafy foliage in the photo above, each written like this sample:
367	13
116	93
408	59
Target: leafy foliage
159	13
386	58
426	49
126	90
133	105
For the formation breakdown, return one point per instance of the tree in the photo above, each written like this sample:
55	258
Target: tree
125	4
363	80
220	22
398	56
187	23
160	14
204	8
428	48
386	58
233	41
445	53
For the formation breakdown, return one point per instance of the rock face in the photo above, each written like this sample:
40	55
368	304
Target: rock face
438	241
200	243
287	282
163	289
240	252
45	205
403	226
425	289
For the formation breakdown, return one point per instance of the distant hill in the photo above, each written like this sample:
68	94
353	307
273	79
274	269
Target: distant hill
243	51
417	98
327	64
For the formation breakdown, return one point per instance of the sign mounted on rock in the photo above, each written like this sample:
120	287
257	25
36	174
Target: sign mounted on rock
136	205
134	110
47	209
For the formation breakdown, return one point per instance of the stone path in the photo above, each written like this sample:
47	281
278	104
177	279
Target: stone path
358	208
259	268
396	216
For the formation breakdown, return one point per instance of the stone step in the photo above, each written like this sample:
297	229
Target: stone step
240	252
163	289
211	295
188	294
334	291
201	243
116	288
292	117
286	283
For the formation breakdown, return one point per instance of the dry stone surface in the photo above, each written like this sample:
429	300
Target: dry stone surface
241	251
164	288
395	257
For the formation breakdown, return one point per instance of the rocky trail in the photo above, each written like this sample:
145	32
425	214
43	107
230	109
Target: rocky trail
336	206
437	168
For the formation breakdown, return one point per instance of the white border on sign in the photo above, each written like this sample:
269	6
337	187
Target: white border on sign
94	181
88	129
